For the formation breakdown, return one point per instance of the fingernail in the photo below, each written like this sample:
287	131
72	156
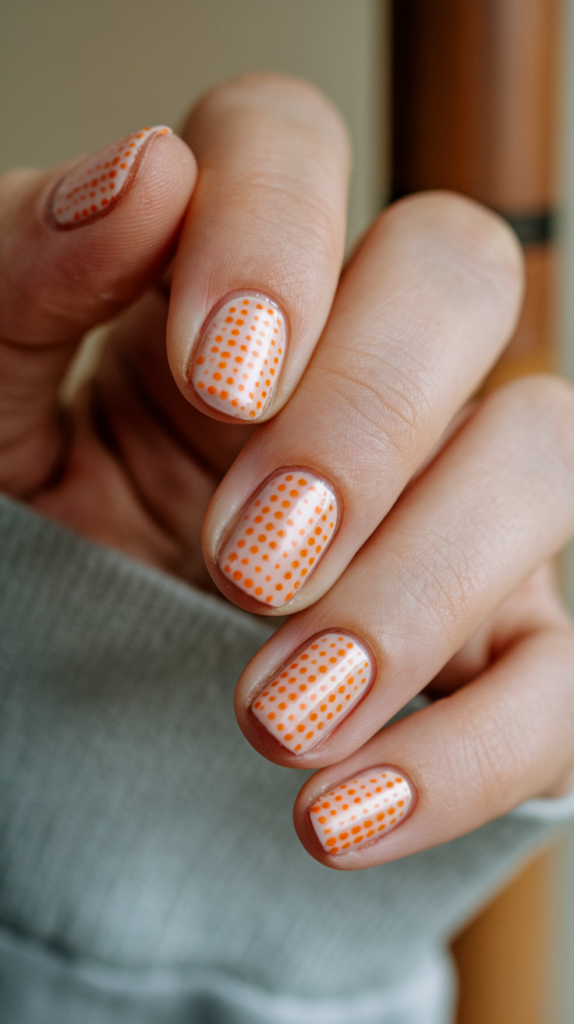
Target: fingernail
281	537
239	357
361	810
94	188
317	689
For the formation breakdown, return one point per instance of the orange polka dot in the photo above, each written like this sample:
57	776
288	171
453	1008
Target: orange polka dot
242	398
280	539
360	824
71	191
322	713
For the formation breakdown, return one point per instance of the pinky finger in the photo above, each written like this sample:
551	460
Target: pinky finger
470	757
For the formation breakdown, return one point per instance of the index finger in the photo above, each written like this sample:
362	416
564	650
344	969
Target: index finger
261	251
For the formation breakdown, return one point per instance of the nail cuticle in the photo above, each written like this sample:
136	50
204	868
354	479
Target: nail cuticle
280	536
315	690
361	810
236	363
95	187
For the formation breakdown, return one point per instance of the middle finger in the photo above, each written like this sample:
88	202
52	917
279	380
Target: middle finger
423	311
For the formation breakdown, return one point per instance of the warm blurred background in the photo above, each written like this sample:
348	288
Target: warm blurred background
75	75
475	95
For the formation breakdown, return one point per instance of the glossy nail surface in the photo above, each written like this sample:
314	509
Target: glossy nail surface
318	688
239	357
361	810
90	189
281	536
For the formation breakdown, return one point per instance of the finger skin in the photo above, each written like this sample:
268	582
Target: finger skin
55	284
174	483
472	756
137	343
268	217
496	503
423	310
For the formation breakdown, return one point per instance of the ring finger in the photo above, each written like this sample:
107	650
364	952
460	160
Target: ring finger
497	501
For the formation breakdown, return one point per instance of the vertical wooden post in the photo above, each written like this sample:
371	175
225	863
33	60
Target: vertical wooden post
475	110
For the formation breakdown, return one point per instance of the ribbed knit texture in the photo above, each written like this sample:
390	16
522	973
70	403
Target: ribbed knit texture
138	829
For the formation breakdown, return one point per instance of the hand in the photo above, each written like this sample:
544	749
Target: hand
431	578
129	462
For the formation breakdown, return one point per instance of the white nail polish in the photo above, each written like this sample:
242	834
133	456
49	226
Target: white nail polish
238	360
361	810
281	536
315	690
94	187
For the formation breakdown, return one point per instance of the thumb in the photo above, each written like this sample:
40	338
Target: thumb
76	245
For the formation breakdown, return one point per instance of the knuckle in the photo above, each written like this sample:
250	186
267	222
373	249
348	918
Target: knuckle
302	217
483	765
301	231
267	95
542	406
467	246
442	579
467	228
274	155
387	408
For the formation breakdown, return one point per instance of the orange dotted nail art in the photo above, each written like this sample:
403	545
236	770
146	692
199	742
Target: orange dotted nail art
362	810
315	691
93	186
281	537
238	360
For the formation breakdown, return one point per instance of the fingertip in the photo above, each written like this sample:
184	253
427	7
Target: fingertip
170	171
92	188
344	817
70	266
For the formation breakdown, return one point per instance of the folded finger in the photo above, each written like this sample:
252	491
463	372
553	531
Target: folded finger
261	251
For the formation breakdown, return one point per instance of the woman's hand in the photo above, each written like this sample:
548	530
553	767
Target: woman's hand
131	463
433	578
406	529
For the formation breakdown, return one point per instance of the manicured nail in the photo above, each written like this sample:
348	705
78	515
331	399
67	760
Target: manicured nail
95	187
318	688
237	362
281	536
362	810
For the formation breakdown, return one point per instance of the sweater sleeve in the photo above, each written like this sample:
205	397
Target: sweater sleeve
140	832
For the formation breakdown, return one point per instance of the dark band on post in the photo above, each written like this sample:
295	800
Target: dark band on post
532	228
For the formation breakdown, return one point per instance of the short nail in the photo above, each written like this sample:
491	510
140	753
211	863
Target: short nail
95	187
281	536
361	810
316	689
237	362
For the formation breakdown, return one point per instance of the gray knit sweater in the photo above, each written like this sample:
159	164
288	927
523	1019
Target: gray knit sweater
149	871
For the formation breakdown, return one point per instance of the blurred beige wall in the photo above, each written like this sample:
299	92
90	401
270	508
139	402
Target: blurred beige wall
76	74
